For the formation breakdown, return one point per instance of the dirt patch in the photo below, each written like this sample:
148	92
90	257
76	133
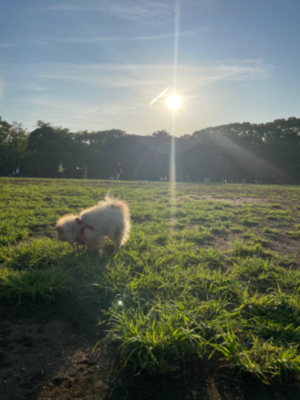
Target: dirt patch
237	202
46	353
283	245
37	342
223	242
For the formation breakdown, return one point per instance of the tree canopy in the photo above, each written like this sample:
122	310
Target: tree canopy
236	151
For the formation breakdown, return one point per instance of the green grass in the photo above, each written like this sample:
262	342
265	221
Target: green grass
256	239
250	221
39	253
293	234
31	284
271	232
197	278
243	250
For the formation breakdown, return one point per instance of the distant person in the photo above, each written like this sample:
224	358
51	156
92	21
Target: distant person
118	171
60	170
84	169
14	173
17	171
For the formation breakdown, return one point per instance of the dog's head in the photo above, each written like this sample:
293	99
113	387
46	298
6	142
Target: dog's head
60	233
67	228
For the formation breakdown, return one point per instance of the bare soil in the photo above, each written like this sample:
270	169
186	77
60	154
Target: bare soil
47	353
237	202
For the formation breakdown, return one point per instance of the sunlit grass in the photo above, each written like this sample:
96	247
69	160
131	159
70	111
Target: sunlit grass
202	282
271	232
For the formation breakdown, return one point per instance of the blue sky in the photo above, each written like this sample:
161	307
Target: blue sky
97	64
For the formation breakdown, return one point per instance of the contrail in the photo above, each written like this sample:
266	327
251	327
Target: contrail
159	96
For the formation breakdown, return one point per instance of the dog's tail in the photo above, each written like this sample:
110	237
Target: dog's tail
123	206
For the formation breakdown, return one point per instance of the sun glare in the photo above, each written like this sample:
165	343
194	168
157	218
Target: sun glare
174	101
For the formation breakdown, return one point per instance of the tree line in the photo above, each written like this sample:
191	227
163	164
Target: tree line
235	152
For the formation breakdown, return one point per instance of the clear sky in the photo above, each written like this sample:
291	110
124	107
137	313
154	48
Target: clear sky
97	64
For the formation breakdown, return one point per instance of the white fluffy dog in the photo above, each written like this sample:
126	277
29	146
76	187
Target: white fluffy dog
110	218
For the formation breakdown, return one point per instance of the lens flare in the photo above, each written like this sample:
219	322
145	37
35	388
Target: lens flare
159	96
174	101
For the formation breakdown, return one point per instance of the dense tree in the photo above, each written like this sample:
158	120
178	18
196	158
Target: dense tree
234	152
4	131
13	146
48	146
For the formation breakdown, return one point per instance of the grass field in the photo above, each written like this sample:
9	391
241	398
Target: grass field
210	271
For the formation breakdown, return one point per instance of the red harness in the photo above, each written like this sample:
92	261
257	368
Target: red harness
80	237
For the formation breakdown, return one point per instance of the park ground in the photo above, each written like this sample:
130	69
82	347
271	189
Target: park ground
201	303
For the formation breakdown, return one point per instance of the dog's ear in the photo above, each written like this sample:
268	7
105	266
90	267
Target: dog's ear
59	229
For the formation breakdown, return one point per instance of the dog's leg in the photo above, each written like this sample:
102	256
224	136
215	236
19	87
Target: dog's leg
99	243
117	240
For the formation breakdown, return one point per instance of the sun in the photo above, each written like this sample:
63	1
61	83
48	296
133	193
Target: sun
174	101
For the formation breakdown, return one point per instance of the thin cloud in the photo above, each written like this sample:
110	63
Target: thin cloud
44	41
131	10
24	82
136	75
84	114
89	95
149	78
38	88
